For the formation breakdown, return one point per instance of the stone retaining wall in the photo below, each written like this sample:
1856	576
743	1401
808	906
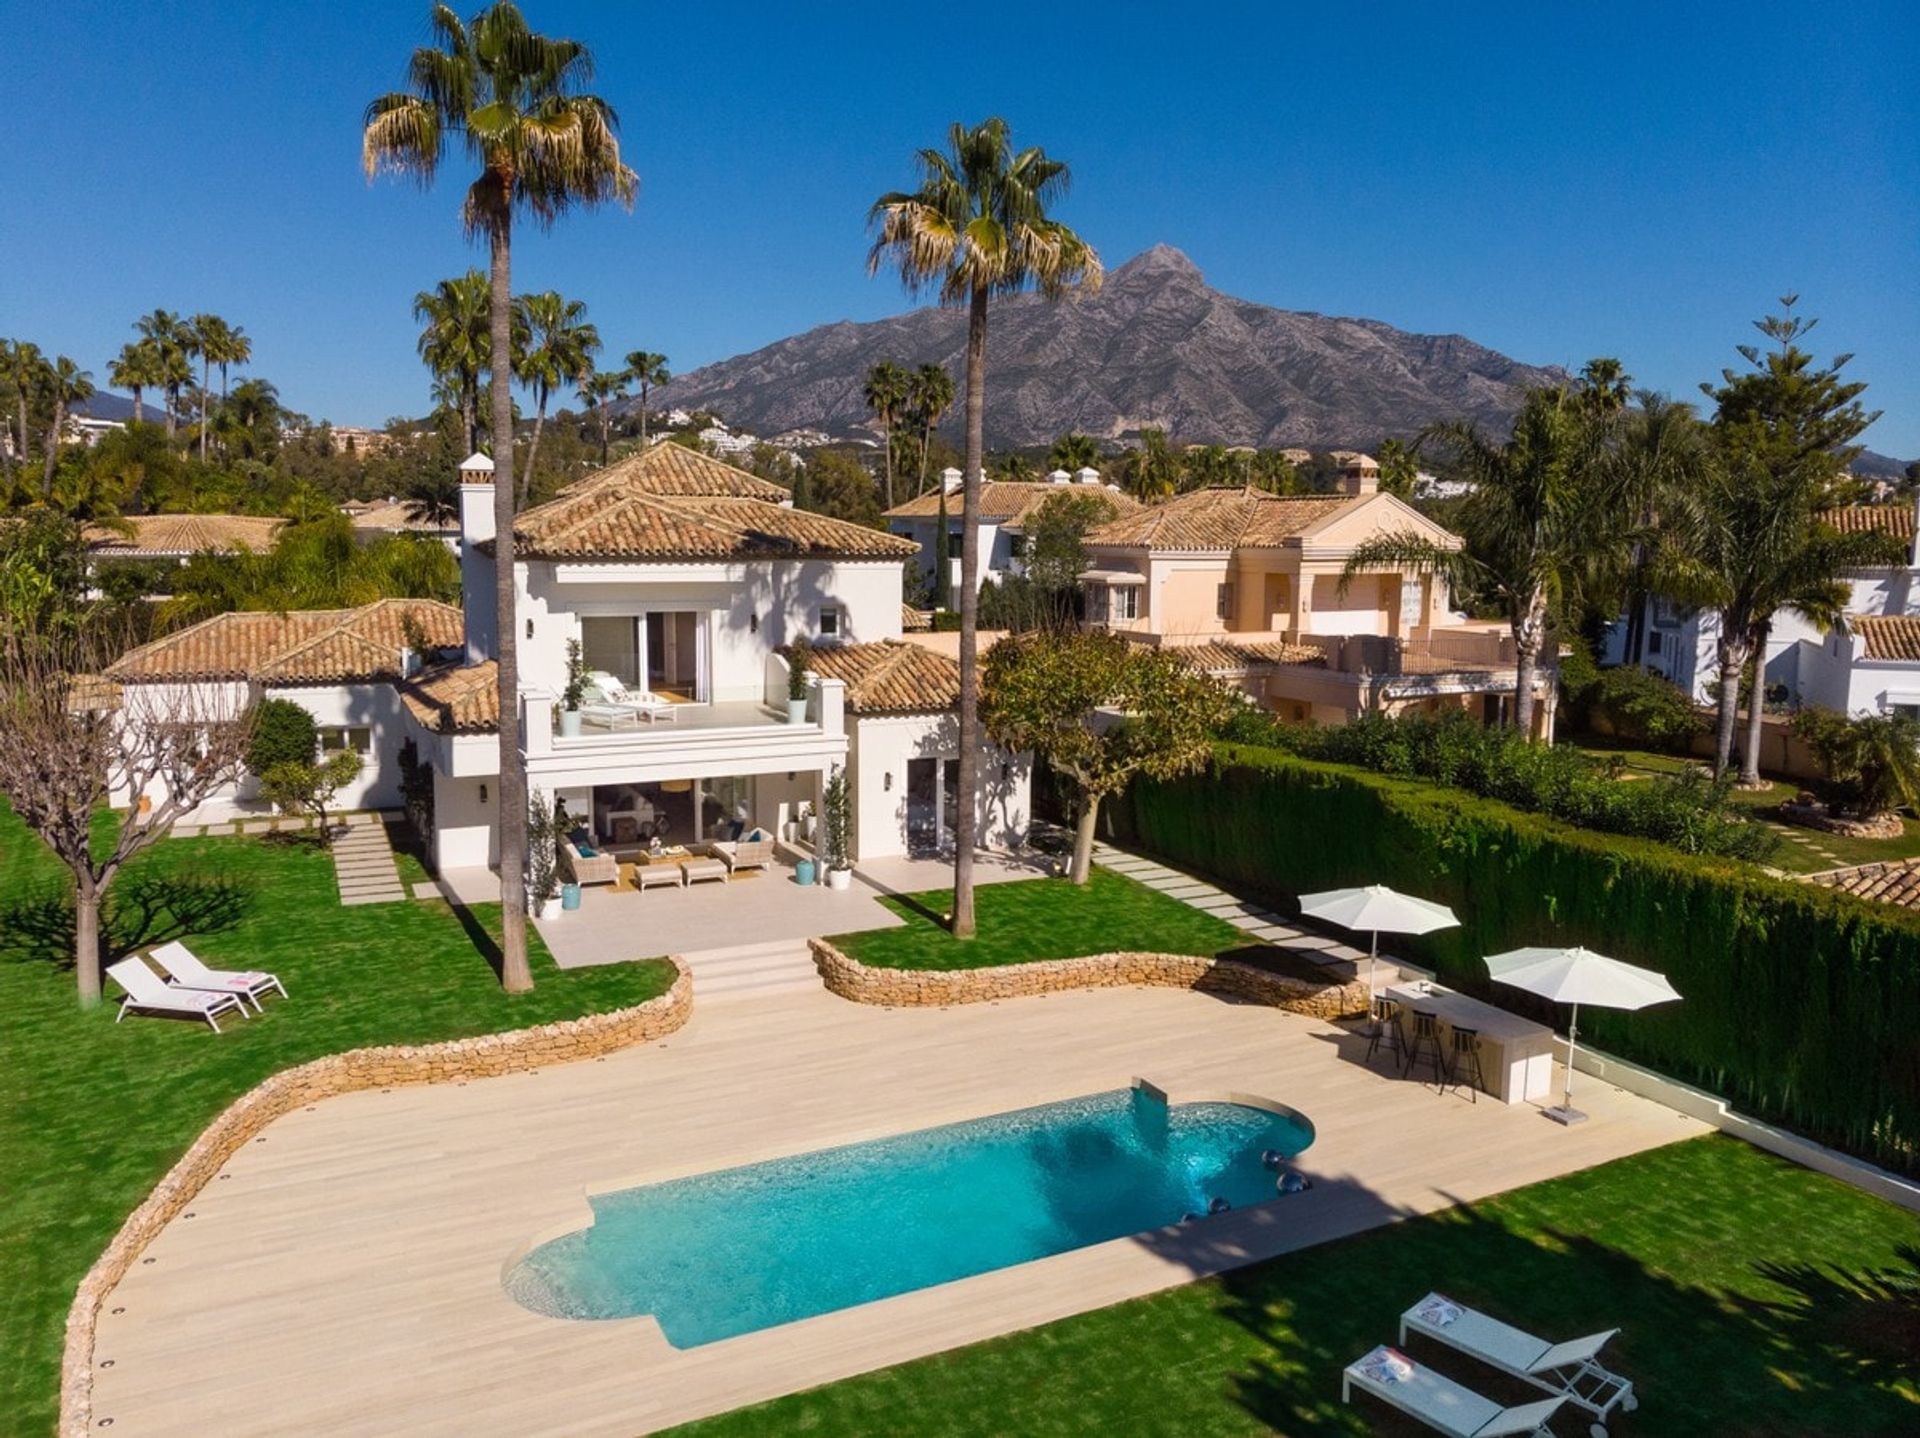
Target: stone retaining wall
903	988
486	1056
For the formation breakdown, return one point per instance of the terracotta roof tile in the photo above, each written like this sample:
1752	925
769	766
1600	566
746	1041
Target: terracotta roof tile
1229	656
455	698
891	677
1008	501
301	646
1212	519
170	534
1889	636
1894	519
672	502
391	516
915	621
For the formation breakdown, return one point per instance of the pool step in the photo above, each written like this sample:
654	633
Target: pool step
751	970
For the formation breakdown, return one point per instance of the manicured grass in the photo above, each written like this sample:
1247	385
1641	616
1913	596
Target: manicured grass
1032	919
1797	851
1752	1296
92	1114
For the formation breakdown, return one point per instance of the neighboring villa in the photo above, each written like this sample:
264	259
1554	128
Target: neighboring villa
181	536
1870	664
680	576
1248	585
1005	506
377	518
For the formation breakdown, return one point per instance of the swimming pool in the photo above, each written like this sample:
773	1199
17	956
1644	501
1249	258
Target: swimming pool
725	1253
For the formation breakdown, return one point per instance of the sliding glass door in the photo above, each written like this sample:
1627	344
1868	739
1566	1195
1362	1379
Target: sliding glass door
660	650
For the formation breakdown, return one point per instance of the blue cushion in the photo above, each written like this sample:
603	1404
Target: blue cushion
587	851
737	826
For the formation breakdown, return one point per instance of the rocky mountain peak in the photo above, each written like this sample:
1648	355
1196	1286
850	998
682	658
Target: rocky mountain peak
1159	264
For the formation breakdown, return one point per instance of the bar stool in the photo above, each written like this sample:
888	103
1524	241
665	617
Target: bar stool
1426	1044
1464	1060
1385	1031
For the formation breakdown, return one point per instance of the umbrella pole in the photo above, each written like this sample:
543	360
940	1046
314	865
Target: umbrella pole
1566	1113
1373	954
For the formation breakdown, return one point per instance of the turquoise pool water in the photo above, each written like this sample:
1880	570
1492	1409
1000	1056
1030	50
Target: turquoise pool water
729	1252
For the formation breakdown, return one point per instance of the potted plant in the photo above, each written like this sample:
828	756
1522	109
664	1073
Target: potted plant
576	690
543	872
837	812
799	658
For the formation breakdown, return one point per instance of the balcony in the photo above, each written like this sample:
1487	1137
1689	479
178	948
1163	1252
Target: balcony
1461	655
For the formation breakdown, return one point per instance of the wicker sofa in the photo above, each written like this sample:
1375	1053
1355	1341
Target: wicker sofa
738	854
599	868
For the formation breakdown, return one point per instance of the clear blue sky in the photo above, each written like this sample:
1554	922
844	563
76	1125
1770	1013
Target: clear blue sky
1554	181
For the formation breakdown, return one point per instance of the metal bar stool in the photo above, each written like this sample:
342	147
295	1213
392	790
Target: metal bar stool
1463	1063
1426	1044
1384	1031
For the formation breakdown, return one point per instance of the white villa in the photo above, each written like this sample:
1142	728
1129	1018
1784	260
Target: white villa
1869	664
680	576
1005	506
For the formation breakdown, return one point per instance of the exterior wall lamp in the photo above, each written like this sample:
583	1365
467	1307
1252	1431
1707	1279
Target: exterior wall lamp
483	793
886	781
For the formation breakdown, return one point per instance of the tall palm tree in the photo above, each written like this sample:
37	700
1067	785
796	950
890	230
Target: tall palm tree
646	369
599	391
975	227
1604	386
1153	471
543	147
170	337
24	368
66	385
561	344
1073	452
1540	510
456	342
929	396
434	500
211	340
1013	467
136	368
885	393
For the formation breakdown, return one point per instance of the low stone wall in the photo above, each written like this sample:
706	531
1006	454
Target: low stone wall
486	1056
906	988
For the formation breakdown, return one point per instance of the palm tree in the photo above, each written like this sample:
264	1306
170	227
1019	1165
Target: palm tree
24	368
67	385
977	226
543	148
561	344
1153	472
1604	386
1013	467
646	369
886	395
1073	452
1541	509
929	397
170	337
136	368
1399	467
213	342
599	391
456	343
434	500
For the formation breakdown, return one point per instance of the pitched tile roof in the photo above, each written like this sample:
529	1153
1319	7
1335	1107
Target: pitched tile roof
301	646
392	515
1894	882
1889	636
1008	501
915	621
1894	519
673	469
1219	518
455	698
891	677
1229	656
671	502
172	534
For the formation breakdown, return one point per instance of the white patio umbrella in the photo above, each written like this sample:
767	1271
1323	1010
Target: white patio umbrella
1579	976
1377	909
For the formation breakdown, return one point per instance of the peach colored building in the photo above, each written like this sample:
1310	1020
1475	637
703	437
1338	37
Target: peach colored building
1250	583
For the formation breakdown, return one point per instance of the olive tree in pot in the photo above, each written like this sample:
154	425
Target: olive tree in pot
576	690
799	660
543	869
837	814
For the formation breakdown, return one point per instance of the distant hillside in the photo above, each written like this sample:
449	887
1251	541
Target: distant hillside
1157	346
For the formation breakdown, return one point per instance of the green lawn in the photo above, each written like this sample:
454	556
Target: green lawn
1799	848
1042	919
1753	1297
91	1114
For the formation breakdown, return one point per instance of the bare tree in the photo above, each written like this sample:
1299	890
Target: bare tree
70	742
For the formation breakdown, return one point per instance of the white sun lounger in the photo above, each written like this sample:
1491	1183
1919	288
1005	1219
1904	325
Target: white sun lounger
187	972
147	994
1568	1369
1440	1403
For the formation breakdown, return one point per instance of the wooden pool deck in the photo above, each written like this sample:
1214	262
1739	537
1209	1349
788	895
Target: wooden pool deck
344	1276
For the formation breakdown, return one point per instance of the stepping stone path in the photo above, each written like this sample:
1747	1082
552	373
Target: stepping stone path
363	863
1258	923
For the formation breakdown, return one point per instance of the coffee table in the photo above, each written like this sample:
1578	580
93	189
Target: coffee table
658	876
705	867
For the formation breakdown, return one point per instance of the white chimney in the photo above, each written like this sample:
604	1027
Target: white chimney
1087	475
950	479
476	498
1059	476
1360	475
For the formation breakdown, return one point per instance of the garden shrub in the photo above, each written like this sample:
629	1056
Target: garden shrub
283	733
1642	707
1800	1003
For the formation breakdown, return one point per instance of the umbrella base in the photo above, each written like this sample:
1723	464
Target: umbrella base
1563	1113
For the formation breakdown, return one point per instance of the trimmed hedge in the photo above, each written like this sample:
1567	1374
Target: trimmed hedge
1802	1005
